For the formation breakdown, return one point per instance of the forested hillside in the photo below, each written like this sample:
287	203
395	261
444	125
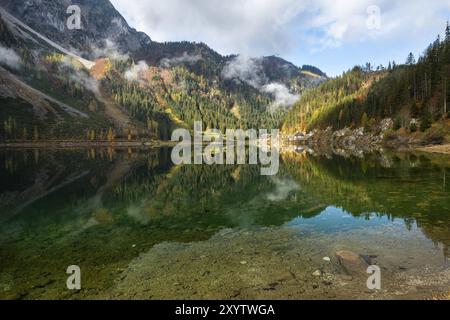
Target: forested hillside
153	88
414	94
133	88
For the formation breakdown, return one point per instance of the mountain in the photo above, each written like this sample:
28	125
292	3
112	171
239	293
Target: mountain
99	21
102	23
415	95
125	85
279	70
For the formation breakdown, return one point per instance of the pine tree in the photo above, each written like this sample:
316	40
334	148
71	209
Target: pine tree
447	34
422	86
364	120
447	43
414	110
410	60
92	135
36	134
425	121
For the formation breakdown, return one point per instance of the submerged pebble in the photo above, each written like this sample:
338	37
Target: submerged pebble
317	273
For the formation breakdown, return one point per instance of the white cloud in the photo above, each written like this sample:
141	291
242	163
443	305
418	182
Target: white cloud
265	27
250	71
232	26
283	97
86	81
136	71
339	22
183	59
78	75
245	69
10	58
109	50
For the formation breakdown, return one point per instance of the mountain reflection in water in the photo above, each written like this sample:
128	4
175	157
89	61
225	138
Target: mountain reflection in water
102	207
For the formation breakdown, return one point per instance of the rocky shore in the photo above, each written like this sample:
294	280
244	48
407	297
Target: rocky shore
354	141
82	144
359	141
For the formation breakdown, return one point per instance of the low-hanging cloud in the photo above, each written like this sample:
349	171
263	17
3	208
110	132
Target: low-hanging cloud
250	71
78	75
137	71
10	58
109	50
246	69
283	97
185	58
86	81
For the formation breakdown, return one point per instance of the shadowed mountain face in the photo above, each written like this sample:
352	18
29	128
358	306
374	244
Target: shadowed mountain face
100	22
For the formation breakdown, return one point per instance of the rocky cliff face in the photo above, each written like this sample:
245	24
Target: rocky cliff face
100	21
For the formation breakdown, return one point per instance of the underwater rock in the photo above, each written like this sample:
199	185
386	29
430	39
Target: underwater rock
352	262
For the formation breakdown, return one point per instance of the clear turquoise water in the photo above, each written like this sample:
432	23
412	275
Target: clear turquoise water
102	209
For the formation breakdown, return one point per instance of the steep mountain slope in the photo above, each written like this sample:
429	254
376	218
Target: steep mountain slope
99	22
40	100
414	95
334	103
26	92
22	30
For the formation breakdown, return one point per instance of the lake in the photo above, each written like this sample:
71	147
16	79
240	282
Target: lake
141	228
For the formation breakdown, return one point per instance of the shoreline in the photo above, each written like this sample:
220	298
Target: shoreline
84	144
436	149
441	149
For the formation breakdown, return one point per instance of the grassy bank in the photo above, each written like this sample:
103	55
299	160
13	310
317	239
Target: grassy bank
436	139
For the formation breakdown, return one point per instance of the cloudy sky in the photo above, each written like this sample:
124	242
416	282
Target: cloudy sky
333	35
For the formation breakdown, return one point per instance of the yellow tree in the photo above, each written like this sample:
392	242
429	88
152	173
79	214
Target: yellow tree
111	135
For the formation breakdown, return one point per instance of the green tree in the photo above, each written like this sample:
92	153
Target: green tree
447	34
425	121
410	60
397	123
364	120
36	133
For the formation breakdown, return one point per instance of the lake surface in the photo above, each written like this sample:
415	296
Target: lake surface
141	228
